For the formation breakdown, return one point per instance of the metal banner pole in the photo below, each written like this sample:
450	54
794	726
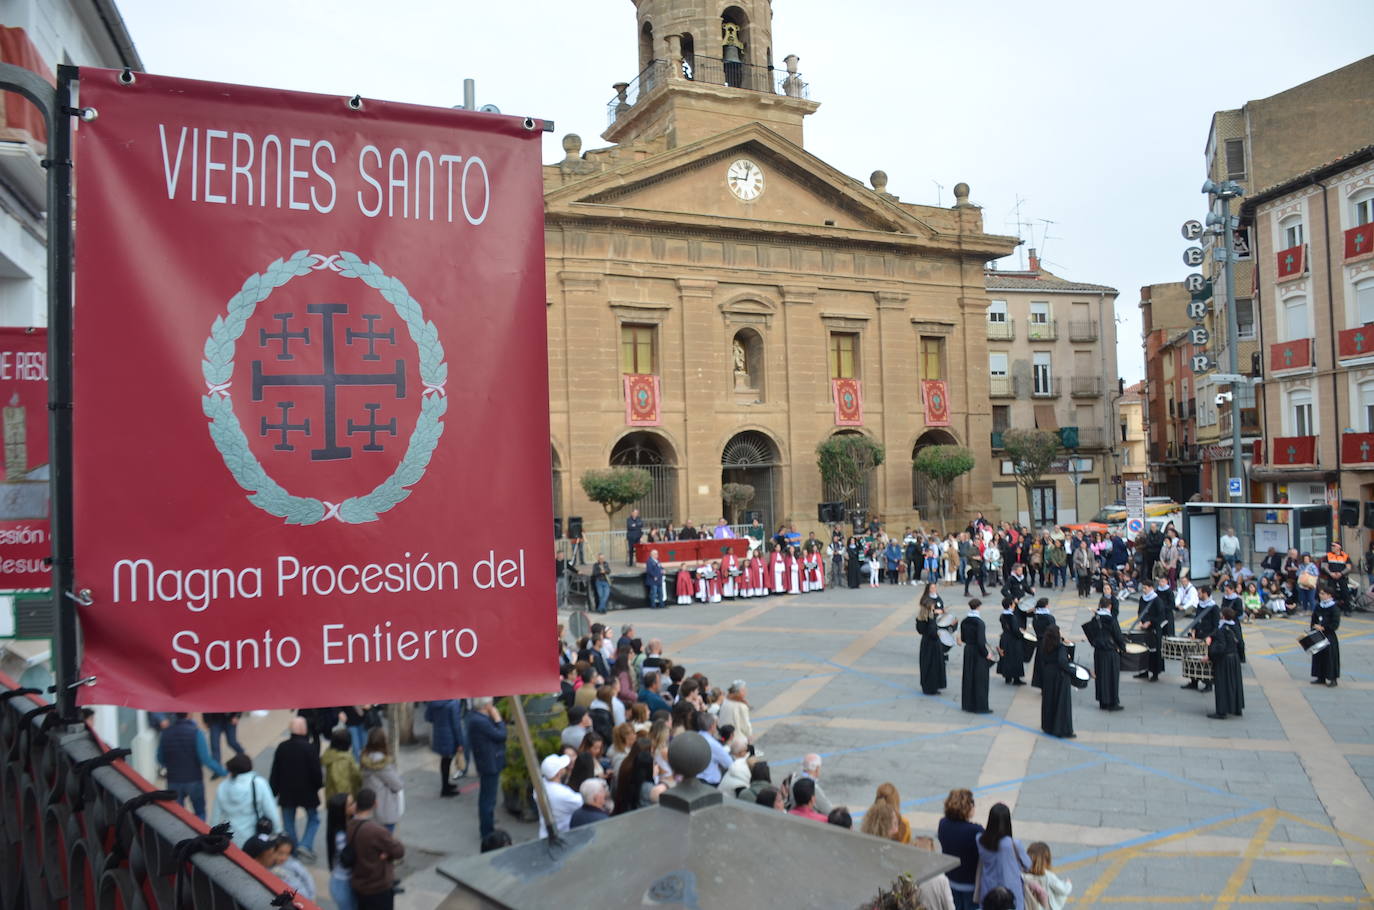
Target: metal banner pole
541	798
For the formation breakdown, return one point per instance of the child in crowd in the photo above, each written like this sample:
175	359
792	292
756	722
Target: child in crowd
1056	889
1252	602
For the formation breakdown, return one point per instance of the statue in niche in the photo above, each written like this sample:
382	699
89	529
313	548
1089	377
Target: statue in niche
742	378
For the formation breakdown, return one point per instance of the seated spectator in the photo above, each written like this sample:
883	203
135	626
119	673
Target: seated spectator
888	793
840	817
810	770
738	775
563	800
720	757
803	797
579	724
593	808
273	852
760	779
769	798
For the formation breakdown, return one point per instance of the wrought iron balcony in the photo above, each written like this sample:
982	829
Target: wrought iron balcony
1001	387
1045	388
1042	331
1001	331
1091	438
1082	330
708	71
1086	387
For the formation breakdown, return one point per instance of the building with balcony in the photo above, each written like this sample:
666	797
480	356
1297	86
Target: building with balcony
1051	350
1280	283
1171	409
1131	442
721	301
1315	262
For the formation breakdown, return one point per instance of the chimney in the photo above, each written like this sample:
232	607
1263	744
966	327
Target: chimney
1034	261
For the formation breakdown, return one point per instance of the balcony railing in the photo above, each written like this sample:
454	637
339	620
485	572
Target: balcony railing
1001	331
1249	422
708	71
1001	387
1086	387
1042	331
1294	450
1290	355
1045	388
1091	438
1082	330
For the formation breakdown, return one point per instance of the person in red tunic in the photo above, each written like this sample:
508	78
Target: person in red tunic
815	571
777	571
794	571
754	573
684	586
717	583
730	576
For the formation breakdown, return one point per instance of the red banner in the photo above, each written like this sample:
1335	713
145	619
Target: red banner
849	402
1357	448
1289	262
935	393
1290	355
641	400
1295	450
1356	342
276	497
24	544
1359	241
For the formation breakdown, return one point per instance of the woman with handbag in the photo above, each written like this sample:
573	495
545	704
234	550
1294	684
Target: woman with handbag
1307	583
381	776
246	802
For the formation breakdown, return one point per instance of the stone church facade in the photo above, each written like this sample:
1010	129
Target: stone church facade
748	298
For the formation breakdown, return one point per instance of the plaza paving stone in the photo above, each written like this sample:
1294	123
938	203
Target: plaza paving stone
1153	804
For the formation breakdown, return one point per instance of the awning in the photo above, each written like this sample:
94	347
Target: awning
1284	475
1044	417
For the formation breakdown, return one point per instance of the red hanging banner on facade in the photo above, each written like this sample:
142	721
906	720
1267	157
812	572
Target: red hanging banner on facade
277	500
24	543
1289	262
936	395
641	400
1359	242
849	402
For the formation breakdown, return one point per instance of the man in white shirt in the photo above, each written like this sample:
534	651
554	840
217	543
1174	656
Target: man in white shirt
563	800
1229	545
1187	597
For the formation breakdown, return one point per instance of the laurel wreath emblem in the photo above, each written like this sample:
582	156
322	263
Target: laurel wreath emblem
228	435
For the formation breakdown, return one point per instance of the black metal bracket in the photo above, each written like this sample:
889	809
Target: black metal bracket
16	693
83	770
26	725
131	805
215	842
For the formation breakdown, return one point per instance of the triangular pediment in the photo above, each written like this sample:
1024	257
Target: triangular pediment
691	182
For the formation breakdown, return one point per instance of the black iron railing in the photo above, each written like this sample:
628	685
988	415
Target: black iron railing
79	829
710	71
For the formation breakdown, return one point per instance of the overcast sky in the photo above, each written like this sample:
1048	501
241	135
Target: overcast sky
1093	115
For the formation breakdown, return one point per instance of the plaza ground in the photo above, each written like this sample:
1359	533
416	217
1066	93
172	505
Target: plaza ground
1149	806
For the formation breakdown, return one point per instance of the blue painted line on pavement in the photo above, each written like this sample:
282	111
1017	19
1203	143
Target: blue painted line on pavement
1096	852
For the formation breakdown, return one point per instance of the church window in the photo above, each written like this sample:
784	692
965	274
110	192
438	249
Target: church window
932	357
637	349
844	351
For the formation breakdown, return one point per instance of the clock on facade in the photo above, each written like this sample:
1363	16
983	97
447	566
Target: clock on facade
745	179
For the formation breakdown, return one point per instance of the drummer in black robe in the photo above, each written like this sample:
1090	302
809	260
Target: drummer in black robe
1224	655
1017	585
1012	664
1204	627
1041	620
932	657
1326	619
1104	634
1056	705
855	554
1168	602
974	635
1151	619
1110	601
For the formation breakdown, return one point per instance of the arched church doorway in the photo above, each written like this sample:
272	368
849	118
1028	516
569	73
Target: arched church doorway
921	499
654	454
752	458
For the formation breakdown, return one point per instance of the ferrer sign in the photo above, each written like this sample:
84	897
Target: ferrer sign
278	488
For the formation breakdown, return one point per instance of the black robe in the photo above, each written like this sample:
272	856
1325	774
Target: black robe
1208	616
976	665
1039	622
1017	588
1113	603
1012	664
1326	663
932	657
1108	646
1225	659
852	568
1152	612
1056	706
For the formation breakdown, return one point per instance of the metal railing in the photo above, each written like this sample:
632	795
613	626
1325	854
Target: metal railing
1082	330
1001	331
1091	438
79	828
709	71
612	543
1086	387
1001	387
1042	331
1045	388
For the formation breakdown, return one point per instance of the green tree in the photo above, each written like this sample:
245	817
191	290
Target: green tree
1031	453
941	466
615	488
736	496
845	462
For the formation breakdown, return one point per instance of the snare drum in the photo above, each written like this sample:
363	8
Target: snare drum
1314	642
1197	668
1135	647
1176	647
1029	635
1079	676
946	637
947	621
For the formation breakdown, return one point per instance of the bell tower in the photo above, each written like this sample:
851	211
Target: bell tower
703	72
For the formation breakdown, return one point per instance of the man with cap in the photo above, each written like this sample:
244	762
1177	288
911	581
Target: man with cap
1151	617
563	800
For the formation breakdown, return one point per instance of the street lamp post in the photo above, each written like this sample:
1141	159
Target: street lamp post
1077	479
1226	224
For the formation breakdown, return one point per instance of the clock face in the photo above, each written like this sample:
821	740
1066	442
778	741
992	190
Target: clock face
745	179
